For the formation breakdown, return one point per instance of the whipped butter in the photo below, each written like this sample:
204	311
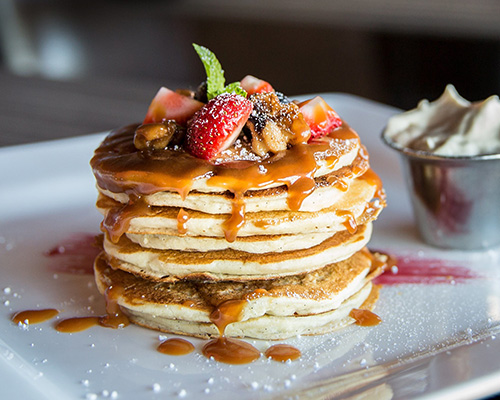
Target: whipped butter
449	126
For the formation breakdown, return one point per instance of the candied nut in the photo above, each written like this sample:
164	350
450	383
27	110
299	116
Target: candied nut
274	124
157	136
258	146
273	137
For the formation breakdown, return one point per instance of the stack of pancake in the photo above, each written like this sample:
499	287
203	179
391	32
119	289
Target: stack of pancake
284	236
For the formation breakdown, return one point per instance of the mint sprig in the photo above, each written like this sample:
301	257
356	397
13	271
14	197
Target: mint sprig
215	75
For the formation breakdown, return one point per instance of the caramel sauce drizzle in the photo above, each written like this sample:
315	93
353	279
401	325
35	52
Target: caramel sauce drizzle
182	219
119	167
372	207
373	179
265	223
299	190
224	349
114	317
356	171
226	313
339	183
232	225
30	317
118	218
349	220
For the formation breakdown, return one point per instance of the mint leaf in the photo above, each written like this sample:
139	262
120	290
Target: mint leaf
215	73
236	88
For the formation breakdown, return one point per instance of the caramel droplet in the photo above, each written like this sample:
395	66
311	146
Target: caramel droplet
365	317
30	317
77	324
175	347
282	352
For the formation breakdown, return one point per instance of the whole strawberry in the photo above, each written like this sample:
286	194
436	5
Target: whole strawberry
216	125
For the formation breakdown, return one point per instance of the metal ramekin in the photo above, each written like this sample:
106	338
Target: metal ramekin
456	200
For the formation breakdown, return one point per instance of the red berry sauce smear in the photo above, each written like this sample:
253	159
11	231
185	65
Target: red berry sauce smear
75	254
411	268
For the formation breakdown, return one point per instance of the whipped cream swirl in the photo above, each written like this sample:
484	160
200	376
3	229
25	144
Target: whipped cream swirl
449	126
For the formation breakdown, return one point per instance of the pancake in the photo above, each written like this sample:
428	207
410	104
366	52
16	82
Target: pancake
316	302
258	244
232	264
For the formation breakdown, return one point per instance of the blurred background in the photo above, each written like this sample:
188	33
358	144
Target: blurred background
391	51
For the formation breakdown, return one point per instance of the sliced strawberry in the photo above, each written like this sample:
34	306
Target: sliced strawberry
320	117
217	125
253	85
168	104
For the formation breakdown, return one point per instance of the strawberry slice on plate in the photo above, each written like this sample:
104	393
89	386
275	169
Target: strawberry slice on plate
320	117
253	85
217	125
168	104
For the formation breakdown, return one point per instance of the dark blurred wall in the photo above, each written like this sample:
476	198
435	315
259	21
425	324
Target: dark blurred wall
419	66
151	41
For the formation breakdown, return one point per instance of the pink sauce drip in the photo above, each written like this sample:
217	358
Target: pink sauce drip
427	271
74	255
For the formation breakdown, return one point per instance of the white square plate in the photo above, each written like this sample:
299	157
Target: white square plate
436	339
